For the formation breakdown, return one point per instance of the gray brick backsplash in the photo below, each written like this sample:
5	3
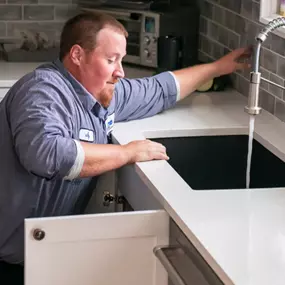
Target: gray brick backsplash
280	110
266	74
218	51
242	85
276	91
203	25
240	25
233	24
267	101
213	30
207	9
62	13
233	40
10	12
223	35
2	29
281	67
206	45
277	44
56	1
269	60
22	1
46	16
230	20
246	9
49	28
234	5
38	12
255	11
219	14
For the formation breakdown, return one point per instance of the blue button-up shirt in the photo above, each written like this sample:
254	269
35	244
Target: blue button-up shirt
42	119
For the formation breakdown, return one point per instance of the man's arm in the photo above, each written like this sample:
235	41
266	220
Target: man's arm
42	135
144	97
102	158
192	78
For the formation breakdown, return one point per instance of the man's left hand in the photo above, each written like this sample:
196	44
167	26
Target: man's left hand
236	60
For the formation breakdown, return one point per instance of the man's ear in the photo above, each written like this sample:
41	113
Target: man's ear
76	54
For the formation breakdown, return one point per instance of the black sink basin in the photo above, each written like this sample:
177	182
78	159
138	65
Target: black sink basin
219	162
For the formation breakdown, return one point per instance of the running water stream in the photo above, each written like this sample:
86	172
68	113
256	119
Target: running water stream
249	154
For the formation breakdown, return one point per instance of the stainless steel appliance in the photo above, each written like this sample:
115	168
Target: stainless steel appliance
145	27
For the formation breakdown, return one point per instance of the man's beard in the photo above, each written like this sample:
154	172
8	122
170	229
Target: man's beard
105	95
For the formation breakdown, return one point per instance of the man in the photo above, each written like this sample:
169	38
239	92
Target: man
55	122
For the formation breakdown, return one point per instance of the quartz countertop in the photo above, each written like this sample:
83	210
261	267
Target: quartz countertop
240	233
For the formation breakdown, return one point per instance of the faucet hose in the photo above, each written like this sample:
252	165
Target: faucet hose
270	27
262	36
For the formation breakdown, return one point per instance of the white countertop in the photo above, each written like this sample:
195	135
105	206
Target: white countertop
10	72
240	233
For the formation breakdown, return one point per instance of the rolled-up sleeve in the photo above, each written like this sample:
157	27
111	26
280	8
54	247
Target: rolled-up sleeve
141	98
40	126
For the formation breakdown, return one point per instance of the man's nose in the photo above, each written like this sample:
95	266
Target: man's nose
119	71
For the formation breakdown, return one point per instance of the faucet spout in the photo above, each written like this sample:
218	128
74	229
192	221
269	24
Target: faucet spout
255	77
253	98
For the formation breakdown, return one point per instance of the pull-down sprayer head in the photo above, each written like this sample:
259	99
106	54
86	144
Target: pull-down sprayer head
255	77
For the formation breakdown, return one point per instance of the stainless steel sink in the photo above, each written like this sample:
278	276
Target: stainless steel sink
219	162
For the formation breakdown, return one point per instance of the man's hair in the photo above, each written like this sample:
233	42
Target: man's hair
83	29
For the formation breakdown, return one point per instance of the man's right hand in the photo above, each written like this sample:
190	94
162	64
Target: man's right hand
145	150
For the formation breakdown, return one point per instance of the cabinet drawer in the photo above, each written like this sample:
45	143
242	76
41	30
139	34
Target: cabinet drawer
103	249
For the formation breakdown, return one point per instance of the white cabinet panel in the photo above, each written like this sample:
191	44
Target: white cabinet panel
103	249
135	190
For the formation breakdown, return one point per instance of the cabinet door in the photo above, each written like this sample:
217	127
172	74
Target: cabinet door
103	249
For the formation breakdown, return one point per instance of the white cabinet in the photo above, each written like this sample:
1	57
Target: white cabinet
131	185
103	249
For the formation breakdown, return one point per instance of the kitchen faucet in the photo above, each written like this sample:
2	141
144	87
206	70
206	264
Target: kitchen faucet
255	76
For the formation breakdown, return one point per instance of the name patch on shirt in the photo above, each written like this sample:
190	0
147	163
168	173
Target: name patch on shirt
109	123
86	135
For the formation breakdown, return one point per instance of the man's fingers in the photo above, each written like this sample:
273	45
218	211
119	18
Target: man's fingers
243	53
243	65
161	155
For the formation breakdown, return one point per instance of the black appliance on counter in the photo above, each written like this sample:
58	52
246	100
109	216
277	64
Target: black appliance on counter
165	39
151	5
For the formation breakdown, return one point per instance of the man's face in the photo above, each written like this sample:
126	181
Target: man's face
101	68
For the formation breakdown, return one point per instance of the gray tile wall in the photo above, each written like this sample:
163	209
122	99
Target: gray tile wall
47	16
229	24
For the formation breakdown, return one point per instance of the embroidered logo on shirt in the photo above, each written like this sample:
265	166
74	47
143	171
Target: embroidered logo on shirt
109	123
86	135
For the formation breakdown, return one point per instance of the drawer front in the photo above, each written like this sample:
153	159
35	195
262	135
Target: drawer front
103	249
189	263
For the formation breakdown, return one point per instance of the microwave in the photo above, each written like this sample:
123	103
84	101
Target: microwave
146	27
